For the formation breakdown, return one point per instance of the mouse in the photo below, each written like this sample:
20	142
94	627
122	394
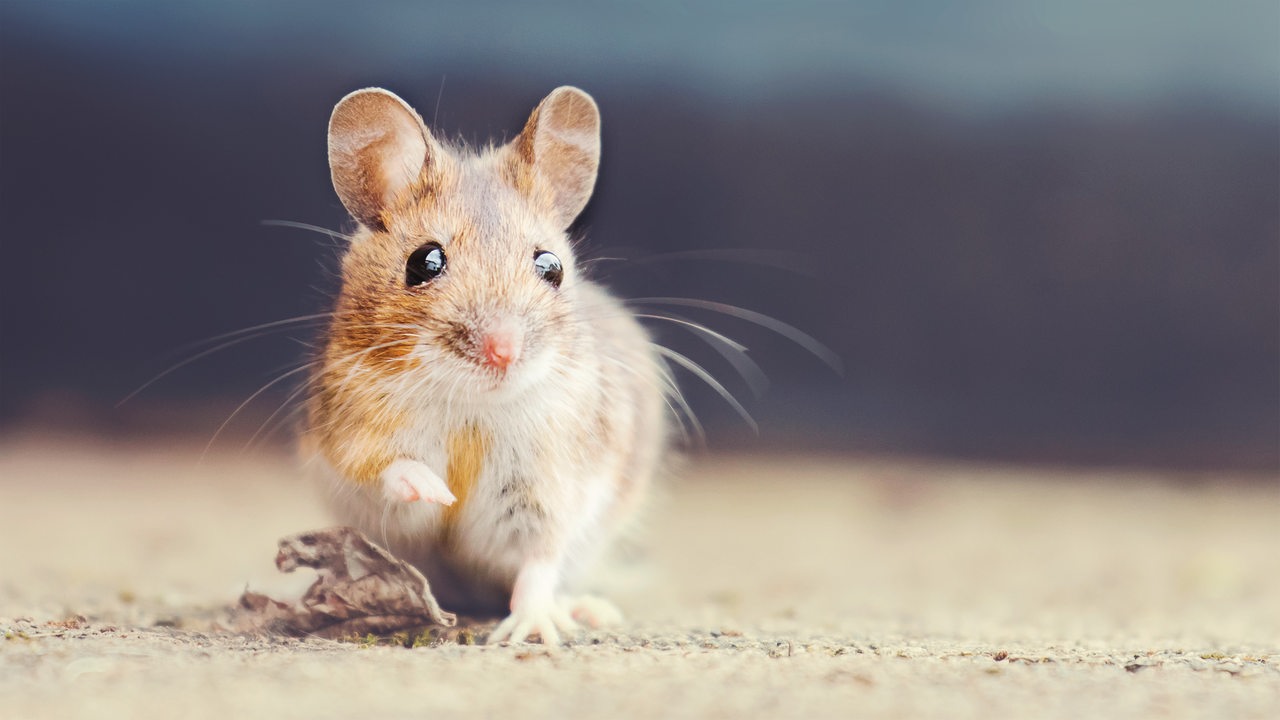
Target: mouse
479	404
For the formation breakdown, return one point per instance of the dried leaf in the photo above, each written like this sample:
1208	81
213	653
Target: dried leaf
361	589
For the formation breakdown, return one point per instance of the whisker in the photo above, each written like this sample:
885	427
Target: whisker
386	511
699	328
730	349
671	392
780	260
233	338
334	234
284	420
673	397
822	352
302	387
417	386
280	325
358	359
178	366
248	400
589	262
439	95
706	377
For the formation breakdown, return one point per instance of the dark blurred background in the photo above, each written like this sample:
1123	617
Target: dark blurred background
1044	231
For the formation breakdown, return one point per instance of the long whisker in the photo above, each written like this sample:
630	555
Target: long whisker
790	262
417	387
292	414
178	366
681	411
706	377
266	423
232	338
439	95
822	352
730	349
250	399
671	392
386	511
282	324
357	359
699	328
334	234
590	262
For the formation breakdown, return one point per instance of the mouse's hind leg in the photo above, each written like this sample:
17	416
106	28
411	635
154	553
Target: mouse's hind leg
535	610
591	610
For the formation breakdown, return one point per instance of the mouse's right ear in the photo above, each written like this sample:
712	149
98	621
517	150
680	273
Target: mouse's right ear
378	146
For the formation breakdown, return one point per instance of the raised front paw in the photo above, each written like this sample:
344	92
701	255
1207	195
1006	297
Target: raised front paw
411	481
546	621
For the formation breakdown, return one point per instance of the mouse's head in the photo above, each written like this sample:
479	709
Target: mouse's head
463	265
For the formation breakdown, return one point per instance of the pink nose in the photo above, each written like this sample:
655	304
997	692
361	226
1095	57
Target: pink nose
501	348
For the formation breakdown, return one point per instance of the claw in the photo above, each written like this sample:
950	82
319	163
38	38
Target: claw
534	609
547	624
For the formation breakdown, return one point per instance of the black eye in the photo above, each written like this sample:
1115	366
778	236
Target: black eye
548	267
424	265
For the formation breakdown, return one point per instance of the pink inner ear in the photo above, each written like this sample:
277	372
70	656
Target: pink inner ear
377	148
396	159
565	149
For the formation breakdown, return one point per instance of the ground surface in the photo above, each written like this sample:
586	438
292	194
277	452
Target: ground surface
772	588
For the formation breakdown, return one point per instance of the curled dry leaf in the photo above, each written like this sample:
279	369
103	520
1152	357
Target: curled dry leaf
361	589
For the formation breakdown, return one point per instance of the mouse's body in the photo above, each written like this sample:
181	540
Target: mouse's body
491	414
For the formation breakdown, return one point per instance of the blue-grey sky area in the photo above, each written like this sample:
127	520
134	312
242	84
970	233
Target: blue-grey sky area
978	52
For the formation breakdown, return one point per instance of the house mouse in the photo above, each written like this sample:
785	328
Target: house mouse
478	404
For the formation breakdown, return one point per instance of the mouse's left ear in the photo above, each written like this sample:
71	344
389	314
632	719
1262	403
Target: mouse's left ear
558	152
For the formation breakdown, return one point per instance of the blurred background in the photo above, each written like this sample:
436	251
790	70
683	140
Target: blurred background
1033	231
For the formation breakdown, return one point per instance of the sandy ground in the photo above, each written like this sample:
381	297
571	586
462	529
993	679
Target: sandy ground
770	588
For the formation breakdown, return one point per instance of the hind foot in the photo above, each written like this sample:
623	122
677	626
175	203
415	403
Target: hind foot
592	611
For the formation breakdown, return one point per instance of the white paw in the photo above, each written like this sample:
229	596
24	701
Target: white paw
410	481
593	611
546	621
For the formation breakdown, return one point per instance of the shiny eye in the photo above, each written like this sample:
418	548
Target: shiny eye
548	267
425	264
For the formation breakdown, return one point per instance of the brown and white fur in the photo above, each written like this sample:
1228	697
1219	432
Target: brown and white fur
502	474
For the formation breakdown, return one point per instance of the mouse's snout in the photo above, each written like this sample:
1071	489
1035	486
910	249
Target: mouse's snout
501	343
